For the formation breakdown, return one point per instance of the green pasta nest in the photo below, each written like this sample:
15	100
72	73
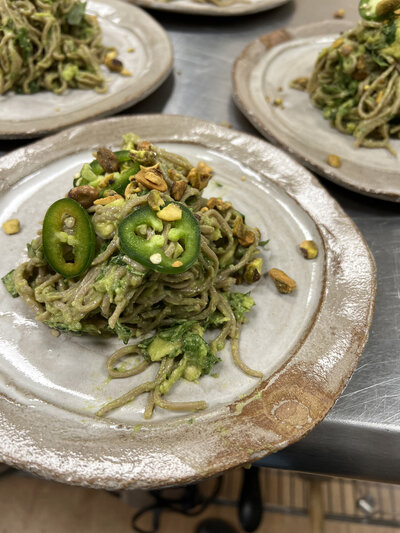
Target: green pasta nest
356	83
117	293
49	45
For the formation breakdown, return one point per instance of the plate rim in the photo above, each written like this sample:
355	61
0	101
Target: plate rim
247	60
209	9
154	78
268	427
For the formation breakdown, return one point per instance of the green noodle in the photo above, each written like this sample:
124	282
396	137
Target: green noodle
119	296
49	45
356	83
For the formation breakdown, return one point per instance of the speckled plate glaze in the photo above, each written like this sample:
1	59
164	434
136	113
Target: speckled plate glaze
306	344
271	62
124	26
238	7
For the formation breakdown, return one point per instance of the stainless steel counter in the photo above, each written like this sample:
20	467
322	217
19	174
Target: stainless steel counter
361	435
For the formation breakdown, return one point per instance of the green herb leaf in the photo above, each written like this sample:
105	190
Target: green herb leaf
263	243
124	333
198	353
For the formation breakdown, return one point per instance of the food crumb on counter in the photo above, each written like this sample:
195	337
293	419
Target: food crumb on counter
334	161
12	226
339	14
267	99
130	50
226	124
243	178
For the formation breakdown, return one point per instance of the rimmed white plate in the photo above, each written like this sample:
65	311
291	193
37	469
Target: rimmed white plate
125	27
265	69
306	344
238	7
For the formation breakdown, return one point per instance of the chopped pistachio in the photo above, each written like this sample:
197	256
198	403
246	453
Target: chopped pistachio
200	176
178	188
11	226
338	42
151	178
282	281
339	14
144	145
219	204
309	249
299	83
253	271
170	213
107	159
107	200
334	161
84	195
155	201
244	236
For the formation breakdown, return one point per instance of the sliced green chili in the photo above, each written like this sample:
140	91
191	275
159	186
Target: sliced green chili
140	235
68	238
377	10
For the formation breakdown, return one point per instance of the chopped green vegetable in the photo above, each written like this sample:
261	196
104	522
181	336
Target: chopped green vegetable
24	43
198	354
76	13
240	304
123	332
8	281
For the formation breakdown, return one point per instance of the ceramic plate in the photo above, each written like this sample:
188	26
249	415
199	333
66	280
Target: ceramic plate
124	26
306	344
238	7
265	69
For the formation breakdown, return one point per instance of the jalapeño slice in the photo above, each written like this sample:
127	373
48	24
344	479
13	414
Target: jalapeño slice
377	10
140	235
68	238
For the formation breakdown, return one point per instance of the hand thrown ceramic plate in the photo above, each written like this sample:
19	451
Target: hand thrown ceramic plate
146	52
237	7
265	69
306	344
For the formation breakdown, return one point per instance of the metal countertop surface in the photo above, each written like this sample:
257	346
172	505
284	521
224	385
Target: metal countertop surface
360	437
